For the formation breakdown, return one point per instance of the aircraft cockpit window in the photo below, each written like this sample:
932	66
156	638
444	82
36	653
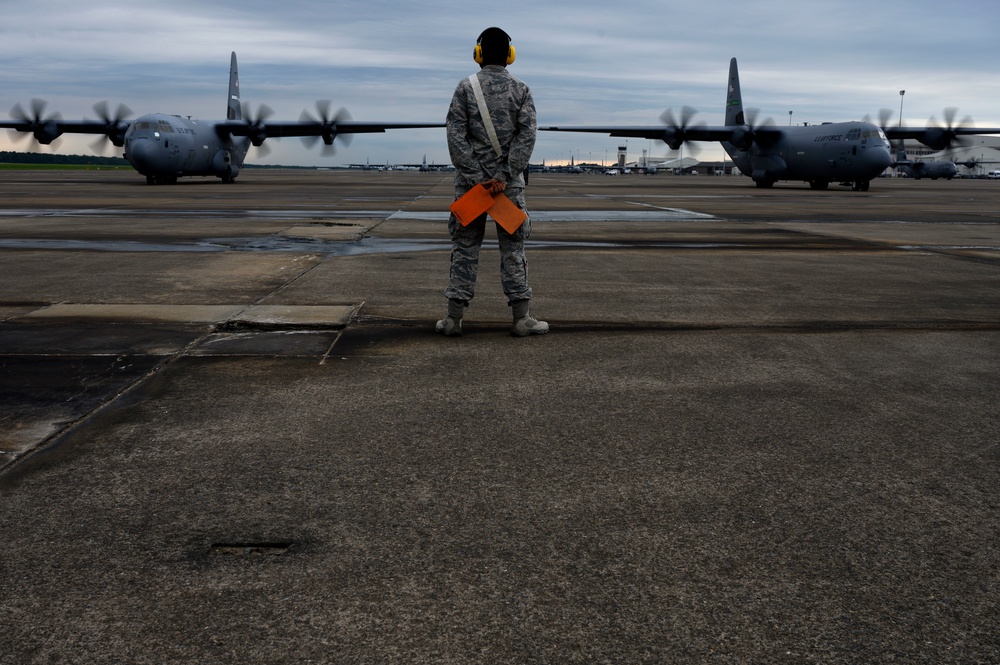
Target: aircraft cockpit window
140	126
158	126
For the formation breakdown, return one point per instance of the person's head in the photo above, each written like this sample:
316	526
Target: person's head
493	48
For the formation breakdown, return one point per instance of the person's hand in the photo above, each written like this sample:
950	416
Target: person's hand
495	186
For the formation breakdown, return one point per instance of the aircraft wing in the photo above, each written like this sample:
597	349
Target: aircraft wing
78	127
661	132
675	135
47	130
938	138
309	128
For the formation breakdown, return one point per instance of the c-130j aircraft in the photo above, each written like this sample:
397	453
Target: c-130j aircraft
851	153
165	147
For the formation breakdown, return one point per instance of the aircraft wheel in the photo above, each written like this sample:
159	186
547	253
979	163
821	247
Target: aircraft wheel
150	180
763	184
818	184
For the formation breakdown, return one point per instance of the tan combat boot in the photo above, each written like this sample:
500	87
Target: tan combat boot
451	325
524	325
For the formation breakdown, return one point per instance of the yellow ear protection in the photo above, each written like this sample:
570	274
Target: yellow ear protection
477	51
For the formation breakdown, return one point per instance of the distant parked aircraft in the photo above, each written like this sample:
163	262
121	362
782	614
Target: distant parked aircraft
851	153
165	147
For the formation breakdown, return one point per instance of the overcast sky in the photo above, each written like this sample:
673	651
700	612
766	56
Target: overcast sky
609	62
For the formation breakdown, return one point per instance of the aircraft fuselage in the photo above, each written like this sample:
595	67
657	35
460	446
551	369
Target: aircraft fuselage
164	147
854	152
932	170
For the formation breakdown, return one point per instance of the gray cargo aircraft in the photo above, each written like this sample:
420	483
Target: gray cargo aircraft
933	169
850	153
165	147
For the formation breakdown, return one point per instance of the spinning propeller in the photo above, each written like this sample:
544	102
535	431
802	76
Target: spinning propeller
939	138
328	130
934	135
970	163
44	130
675	133
745	136
884	116
114	125
256	126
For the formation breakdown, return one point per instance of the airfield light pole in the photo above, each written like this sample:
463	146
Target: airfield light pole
789	118
901	93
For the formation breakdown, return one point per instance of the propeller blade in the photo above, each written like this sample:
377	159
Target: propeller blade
328	125
308	141
941	137
18	113
121	113
100	145
43	129
342	115
675	131
256	122
114	128
884	116
16	136
261	116
261	151
949	116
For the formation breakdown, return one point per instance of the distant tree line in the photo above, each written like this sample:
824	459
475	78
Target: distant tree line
52	158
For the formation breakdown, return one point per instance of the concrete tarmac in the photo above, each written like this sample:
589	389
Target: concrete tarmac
763	428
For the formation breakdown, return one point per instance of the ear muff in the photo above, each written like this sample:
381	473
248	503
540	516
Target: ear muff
477	52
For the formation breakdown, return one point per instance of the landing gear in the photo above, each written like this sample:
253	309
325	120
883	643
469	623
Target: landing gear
161	180
764	184
861	186
819	184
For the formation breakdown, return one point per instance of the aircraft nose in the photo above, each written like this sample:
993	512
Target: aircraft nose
878	158
142	155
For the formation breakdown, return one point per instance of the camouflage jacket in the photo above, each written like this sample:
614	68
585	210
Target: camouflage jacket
513	112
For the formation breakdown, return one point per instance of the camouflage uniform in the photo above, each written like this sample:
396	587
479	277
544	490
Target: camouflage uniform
513	112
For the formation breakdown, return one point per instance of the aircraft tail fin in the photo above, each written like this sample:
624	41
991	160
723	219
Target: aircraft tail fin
734	99
900	152
234	110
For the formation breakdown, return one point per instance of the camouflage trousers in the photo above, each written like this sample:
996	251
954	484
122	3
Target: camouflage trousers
466	242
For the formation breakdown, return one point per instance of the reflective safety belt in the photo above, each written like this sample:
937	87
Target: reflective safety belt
485	112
